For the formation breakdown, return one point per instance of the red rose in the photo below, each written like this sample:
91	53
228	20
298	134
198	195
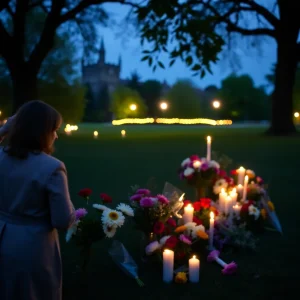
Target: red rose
186	202
85	193
233	172
194	157
197	220
205	202
171	242
171	222
158	227
106	198
222	173
197	205
245	206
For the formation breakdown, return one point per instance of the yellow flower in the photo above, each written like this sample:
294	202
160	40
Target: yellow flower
181	277
250	174
271	206
202	235
263	213
180	229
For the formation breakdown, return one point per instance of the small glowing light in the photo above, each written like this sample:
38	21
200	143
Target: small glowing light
212	215
123	133
181	197
194	256
96	133
164	105
133	107
296	115
196	164
208	140
216	104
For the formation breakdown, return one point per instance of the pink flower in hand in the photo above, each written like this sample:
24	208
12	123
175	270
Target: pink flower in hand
185	239
146	202
80	213
162	199
230	269
144	192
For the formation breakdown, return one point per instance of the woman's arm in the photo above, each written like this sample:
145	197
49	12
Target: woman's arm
61	208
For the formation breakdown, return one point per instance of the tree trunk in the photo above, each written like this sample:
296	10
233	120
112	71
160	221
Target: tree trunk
25	87
282	98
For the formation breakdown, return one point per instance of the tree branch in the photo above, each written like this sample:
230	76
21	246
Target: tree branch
298	52
244	31
263	12
6	41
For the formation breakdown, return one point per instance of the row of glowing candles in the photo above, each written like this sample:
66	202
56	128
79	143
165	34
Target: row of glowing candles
69	128
227	204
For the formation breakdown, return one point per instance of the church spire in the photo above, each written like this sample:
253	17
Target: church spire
102	52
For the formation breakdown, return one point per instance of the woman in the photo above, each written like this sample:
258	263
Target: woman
34	202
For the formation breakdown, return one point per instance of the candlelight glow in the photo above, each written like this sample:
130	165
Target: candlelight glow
123	132
216	104
212	215
167	251
95	133
133	107
163	105
208	139
296	115
194	256
196	164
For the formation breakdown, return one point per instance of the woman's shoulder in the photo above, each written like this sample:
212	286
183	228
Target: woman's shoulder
49	162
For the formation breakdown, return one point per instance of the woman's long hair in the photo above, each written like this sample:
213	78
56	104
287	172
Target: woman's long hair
32	130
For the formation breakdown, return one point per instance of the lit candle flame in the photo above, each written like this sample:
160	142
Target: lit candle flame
212	215
208	139
194	256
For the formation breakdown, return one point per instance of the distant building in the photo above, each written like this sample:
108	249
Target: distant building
101	79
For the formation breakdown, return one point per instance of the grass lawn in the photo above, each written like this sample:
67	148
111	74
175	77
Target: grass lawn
111	165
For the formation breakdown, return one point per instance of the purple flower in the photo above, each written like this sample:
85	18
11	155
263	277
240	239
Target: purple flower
204	167
230	269
136	197
144	192
146	202
162	199
80	213
185	239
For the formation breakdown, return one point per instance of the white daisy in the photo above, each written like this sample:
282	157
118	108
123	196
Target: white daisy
72	231
196	229
152	247
185	162
100	207
125	209
109	231
112	217
219	185
163	240
254	211
188	172
213	164
190	225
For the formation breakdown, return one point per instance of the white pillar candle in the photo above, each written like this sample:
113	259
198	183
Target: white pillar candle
227	205
194	269
237	210
233	194
240	190
241	174
168	265
211	230
208	152
188	214
222	199
245	188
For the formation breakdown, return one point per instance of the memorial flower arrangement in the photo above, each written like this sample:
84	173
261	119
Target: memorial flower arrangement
91	227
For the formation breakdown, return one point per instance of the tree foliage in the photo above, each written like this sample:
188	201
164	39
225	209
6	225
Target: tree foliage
184	101
241	100
121	100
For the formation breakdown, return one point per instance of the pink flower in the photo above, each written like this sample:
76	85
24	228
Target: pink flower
146	202
144	192
222	173
136	197
230	269
171	222
204	167
185	239
80	213
162	199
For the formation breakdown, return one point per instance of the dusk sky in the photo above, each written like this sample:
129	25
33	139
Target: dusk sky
118	43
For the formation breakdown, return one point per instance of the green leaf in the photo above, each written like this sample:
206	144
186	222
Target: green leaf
202	74
150	61
161	65
145	58
196	67
146	51
189	60
172	62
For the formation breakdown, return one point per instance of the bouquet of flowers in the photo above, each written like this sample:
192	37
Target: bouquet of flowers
88	230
